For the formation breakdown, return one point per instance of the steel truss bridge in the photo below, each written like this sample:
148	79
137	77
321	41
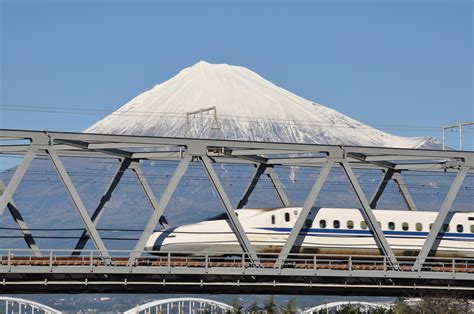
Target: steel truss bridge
101	270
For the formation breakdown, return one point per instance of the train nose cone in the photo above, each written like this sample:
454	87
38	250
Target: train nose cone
154	242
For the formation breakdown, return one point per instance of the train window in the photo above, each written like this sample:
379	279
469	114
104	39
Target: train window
472	228
459	228
405	226
273	219
431	226
287	217
308	223
350	224
419	226
363	225
446	227
391	225
336	224
322	223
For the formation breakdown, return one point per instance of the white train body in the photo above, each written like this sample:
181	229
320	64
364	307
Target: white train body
327	231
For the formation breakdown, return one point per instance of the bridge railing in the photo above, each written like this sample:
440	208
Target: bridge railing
121	258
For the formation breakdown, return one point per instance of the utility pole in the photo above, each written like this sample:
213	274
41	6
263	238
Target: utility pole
458	126
215	125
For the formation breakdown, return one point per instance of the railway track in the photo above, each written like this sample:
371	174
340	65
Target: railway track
327	264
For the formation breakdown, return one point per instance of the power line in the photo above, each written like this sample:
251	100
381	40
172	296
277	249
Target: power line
177	115
106	174
208	185
195	166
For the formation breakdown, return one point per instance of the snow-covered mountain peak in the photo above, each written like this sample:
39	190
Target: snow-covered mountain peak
246	107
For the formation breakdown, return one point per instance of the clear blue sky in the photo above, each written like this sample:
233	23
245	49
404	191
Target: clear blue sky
403	66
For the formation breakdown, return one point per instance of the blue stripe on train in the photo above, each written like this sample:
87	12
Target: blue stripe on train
391	233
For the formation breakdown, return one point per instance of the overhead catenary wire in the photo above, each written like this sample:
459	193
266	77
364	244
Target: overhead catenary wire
165	163
371	174
242	175
179	115
104	175
463	192
101	177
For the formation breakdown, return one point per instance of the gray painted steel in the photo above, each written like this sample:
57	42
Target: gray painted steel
135	166
442	215
235	224
81	209
259	170
104	200
356	275
402	187
308	204
369	216
159	210
24	229
387	176
15	180
271	173
101	275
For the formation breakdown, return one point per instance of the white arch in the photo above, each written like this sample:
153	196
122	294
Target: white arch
151	304
29	303
335	305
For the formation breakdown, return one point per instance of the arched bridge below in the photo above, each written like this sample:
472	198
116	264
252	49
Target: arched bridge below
10	305
181	305
334	307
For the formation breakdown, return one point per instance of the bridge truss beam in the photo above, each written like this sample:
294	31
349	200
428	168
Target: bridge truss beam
260	169
160	207
265	156
442	216
99	210
233	219
369	216
20	222
308	204
76	199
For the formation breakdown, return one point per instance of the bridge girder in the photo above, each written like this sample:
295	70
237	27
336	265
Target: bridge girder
264	155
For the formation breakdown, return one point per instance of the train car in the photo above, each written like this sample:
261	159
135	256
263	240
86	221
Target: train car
326	231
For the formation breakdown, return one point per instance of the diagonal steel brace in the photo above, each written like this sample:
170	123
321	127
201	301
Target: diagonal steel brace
260	169
18	218
81	209
99	210
15	180
369	216
308	204
271	173
233	219
158	212
441	217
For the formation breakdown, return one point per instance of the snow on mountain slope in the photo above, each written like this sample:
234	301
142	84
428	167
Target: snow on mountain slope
248	107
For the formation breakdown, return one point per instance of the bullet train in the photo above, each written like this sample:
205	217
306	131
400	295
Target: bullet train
326	231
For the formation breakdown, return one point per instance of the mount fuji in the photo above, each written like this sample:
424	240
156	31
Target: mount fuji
245	107
241	105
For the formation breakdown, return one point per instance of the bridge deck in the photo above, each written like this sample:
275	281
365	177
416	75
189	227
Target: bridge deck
233	274
323	262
